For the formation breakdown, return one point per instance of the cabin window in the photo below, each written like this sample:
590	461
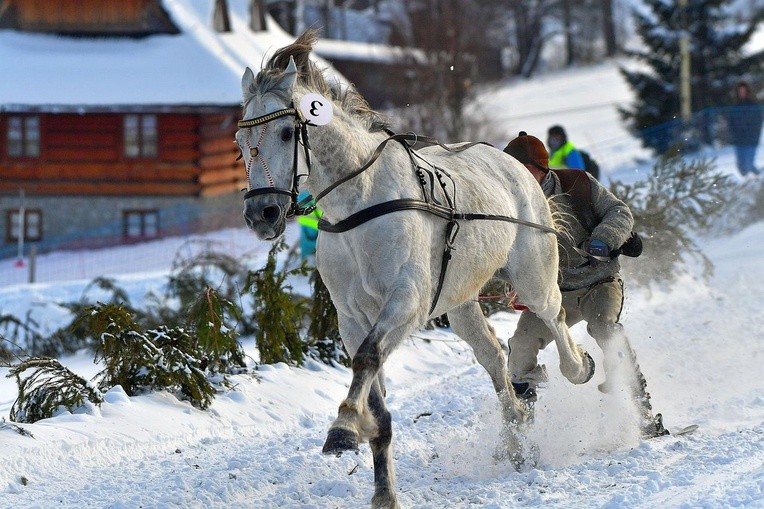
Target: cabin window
140	133
23	136
141	224
32	224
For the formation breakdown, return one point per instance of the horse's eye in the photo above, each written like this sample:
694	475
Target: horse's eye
286	134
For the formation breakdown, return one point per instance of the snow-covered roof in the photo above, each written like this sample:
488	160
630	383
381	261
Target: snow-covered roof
366	52
199	66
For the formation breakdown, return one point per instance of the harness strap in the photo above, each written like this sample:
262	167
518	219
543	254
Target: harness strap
388	207
451	230
469	216
411	137
382	209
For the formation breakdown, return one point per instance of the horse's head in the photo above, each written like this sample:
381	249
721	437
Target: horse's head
266	138
280	102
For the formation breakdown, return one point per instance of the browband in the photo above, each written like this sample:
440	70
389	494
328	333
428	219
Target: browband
267	118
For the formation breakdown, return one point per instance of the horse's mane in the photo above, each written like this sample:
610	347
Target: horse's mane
312	78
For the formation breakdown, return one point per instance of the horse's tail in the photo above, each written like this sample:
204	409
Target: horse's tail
560	219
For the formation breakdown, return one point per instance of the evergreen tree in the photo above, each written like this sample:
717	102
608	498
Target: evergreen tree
717	61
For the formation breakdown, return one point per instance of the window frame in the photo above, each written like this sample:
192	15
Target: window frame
146	134
25	138
142	214
28	213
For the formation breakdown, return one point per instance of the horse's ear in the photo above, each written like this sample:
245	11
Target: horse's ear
289	77
247	80
291	67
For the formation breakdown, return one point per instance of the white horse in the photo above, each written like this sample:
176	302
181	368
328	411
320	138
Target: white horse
385	272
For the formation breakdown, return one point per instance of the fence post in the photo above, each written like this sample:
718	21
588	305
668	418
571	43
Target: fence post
21	231
32	262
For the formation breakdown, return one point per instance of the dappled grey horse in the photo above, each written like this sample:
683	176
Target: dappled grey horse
402	238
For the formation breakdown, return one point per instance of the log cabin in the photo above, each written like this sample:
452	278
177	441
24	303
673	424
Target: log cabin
117	118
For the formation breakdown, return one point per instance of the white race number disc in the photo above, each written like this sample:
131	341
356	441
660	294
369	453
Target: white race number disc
316	109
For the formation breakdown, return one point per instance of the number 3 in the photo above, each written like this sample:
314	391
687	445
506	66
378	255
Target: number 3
314	108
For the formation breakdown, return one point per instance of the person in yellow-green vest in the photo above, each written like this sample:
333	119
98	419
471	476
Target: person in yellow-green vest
563	154
308	231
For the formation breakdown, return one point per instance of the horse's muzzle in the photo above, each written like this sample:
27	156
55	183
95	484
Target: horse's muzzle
267	220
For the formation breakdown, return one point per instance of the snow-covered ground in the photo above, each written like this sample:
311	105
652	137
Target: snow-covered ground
700	345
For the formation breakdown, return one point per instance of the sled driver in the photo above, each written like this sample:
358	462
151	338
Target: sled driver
598	229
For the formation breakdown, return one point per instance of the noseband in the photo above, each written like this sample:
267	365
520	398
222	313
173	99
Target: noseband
300	134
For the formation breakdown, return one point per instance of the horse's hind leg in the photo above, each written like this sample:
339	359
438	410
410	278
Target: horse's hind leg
469	323
575	364
545	301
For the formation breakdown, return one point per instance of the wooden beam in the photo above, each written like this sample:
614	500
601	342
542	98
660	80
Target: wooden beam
227	160
219	146
216	177
101	171
92	188
225	188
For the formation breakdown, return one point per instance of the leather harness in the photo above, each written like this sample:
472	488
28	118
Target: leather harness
427	179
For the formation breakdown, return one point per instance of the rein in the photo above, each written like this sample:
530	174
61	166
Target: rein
447	212
429	204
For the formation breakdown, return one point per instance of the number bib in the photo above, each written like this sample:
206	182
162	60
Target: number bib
316	109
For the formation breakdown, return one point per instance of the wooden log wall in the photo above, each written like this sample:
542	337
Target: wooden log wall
88	16
220	172
84	155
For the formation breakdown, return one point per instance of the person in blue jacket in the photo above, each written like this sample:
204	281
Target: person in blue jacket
745	121
562	153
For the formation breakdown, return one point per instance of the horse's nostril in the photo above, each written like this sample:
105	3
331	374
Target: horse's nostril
271	213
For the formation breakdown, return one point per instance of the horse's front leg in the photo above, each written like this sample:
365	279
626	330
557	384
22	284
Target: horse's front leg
362	415
341	439
356	422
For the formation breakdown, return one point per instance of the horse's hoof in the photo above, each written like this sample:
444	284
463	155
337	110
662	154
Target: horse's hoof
589	364
339	440
652	427
384	499
525	391
528	459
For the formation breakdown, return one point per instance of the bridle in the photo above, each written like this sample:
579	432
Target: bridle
300	137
